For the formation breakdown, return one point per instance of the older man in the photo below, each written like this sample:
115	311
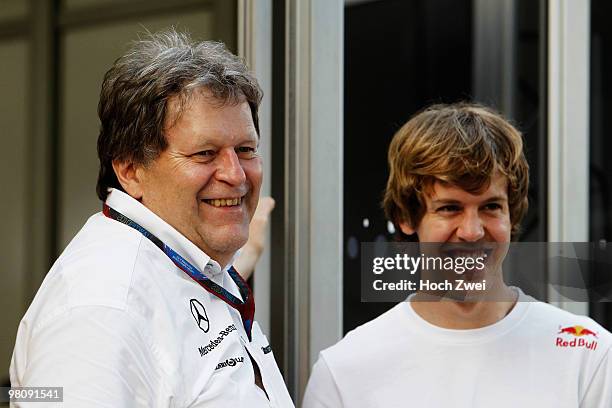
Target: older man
143	307
458	176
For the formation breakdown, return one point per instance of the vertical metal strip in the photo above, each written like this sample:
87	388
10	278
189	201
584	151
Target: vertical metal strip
568	126
245	32
313	183
254	45
297	188
542	158
555	107
494	59
327	175
278	278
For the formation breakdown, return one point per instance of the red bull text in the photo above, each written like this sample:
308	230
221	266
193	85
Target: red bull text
577	332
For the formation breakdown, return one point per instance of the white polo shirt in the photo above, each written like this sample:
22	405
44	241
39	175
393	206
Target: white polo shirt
117	324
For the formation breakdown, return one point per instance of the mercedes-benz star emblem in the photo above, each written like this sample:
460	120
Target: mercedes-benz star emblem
199	314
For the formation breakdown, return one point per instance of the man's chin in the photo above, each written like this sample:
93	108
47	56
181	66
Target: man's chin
224	243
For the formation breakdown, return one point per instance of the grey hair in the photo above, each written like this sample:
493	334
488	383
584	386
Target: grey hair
133	104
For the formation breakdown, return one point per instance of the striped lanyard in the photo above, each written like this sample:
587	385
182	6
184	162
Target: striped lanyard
246	308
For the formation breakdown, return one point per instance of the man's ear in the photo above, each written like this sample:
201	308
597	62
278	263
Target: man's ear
129	177
406	228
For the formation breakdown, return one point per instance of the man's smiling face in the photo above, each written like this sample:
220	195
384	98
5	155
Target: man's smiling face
206	182
473	224
455	215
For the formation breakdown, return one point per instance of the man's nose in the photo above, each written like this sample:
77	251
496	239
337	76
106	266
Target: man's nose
471	226
229	168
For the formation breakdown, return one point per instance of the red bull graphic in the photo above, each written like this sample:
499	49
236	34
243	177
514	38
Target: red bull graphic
578	333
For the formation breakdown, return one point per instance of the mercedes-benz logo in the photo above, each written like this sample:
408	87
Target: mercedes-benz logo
199	314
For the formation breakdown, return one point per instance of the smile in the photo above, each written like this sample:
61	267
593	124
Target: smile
469	253
224	202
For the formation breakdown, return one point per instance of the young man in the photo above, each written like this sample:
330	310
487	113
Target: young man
458	175
143	308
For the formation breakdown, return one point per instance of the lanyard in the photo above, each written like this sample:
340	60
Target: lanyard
246	308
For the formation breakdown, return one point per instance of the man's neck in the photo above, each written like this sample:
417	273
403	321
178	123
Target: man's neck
457	315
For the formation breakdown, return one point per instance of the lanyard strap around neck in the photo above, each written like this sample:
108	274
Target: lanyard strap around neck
246	308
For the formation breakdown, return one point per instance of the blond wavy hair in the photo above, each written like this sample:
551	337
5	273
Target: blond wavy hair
461	144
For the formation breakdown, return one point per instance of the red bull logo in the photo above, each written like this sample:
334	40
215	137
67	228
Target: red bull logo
578	333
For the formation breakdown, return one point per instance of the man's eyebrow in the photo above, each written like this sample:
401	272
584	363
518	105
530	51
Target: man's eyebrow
446	201
496	198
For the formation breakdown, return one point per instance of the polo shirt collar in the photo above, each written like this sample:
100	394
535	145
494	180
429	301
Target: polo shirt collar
137	212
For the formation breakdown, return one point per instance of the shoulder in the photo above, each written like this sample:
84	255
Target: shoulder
98	265
97	268
370	340
101	241
392	320
578	340
322	389
83	304
552	318
344	369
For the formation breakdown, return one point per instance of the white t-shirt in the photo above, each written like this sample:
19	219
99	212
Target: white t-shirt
537	356
117	324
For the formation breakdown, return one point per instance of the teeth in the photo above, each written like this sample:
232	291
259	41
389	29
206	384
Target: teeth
224	202
466	254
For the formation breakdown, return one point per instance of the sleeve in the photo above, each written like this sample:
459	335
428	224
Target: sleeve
599	391
97	354
321	391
